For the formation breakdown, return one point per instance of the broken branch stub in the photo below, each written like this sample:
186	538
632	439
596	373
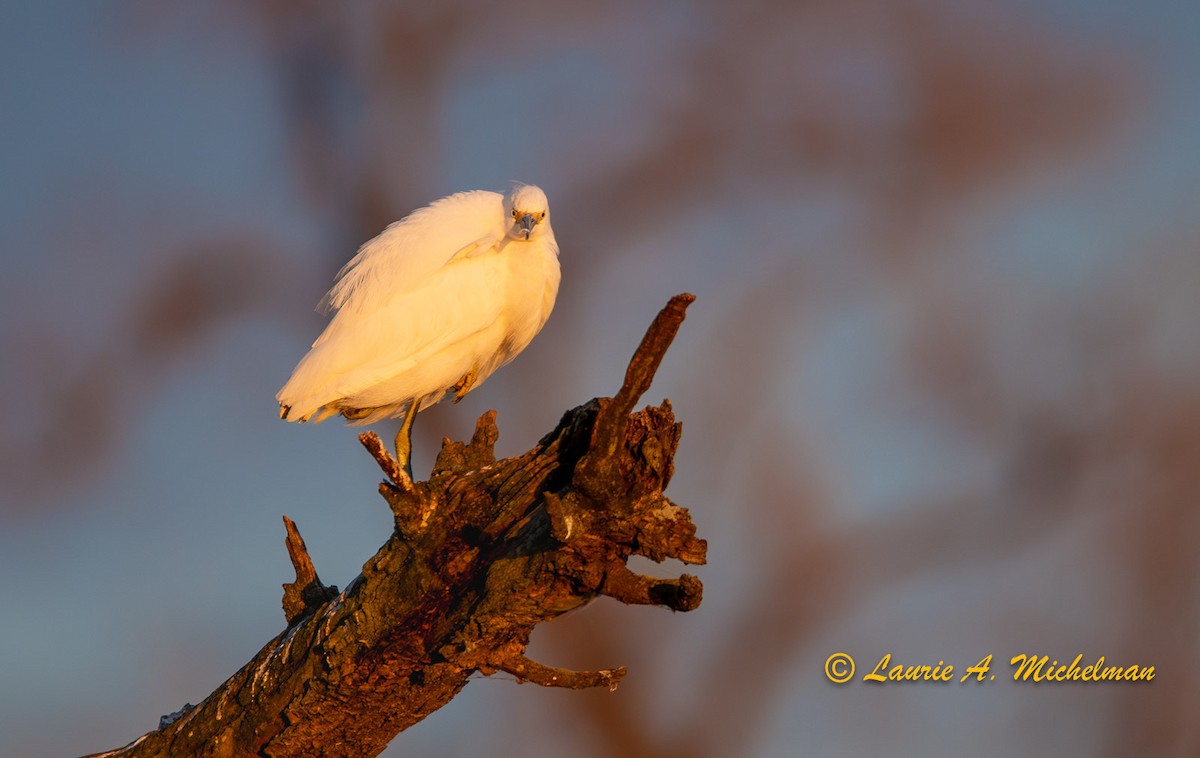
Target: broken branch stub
306	594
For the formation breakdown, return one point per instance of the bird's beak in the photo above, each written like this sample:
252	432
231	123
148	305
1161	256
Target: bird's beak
526	222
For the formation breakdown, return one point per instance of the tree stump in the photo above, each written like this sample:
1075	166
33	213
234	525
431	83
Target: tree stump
481	553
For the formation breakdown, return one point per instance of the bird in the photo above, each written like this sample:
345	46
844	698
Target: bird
434	304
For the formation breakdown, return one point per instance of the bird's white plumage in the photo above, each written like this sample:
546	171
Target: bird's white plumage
445	296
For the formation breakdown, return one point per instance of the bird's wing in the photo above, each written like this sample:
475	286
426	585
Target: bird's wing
412	249
360	350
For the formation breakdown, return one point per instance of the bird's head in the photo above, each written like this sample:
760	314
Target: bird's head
529	212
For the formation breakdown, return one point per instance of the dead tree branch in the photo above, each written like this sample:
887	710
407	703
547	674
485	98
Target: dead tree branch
482	552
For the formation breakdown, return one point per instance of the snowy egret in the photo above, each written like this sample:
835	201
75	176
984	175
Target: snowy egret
435	303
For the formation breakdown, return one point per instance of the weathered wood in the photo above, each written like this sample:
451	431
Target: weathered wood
482	553
306	594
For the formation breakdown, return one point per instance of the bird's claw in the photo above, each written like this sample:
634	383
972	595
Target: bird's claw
464	385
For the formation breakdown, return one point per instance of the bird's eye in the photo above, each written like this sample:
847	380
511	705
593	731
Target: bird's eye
515	213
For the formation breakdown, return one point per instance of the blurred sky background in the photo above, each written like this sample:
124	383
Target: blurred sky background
940	390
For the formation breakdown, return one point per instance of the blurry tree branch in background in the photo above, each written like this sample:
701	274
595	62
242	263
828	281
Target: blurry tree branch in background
482	552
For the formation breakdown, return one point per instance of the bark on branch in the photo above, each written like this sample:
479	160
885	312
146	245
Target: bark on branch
482	552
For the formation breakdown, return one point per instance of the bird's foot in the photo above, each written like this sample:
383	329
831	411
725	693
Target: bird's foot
464	385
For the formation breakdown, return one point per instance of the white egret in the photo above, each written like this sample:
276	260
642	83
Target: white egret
435	303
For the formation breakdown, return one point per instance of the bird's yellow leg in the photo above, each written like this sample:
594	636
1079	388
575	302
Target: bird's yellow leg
404	439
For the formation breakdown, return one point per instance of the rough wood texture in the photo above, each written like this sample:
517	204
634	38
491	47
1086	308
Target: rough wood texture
482	552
